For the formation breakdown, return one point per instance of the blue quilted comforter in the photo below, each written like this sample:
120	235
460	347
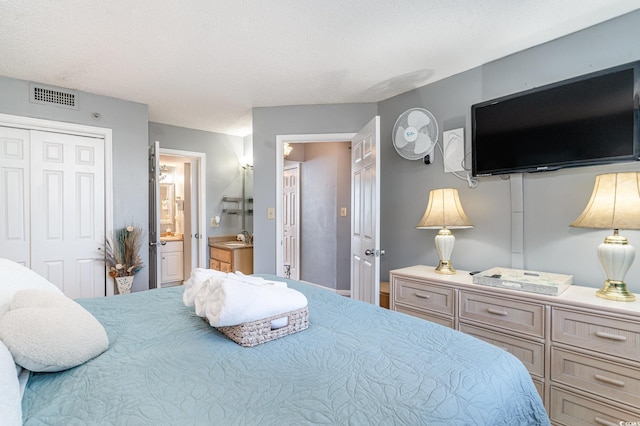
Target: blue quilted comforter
355	364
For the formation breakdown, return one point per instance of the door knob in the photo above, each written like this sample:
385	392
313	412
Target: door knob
369	252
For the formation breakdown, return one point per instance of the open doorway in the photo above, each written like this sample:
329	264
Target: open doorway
364	229
320	252
179	212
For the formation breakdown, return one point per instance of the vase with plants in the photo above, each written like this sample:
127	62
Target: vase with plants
122	256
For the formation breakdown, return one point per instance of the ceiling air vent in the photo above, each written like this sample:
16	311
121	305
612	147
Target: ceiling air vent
47	95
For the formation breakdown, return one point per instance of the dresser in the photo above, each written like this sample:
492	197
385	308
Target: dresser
583	352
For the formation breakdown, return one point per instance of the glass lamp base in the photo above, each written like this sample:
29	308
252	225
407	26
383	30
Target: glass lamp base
616	256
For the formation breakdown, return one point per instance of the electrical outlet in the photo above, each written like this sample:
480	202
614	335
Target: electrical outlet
271	213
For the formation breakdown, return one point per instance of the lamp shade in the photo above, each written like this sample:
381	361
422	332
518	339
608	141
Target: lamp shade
444	210
614	203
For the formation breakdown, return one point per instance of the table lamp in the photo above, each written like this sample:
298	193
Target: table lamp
444	212
614	204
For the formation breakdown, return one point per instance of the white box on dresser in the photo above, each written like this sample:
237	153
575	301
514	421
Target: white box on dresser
583	352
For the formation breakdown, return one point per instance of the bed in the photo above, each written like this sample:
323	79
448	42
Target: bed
355	364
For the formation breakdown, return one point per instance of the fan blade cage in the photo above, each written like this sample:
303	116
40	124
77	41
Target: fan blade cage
415	134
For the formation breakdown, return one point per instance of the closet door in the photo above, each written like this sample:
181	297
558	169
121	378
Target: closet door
67	205
14	195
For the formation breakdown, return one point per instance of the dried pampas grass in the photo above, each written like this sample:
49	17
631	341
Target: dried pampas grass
122	256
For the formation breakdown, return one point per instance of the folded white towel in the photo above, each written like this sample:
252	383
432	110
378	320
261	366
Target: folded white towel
193	285
231	301
255	280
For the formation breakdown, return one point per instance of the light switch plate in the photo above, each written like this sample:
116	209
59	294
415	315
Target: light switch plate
343	211
271	213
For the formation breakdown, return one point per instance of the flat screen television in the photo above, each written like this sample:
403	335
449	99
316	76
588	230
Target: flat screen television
588	120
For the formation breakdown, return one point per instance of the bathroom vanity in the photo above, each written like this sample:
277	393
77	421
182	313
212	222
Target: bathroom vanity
228	255
172	263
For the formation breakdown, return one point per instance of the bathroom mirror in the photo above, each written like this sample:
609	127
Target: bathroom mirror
167	202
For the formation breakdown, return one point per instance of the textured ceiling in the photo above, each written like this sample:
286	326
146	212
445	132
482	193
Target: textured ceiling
204	64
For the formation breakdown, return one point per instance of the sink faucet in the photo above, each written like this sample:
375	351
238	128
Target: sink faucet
247	237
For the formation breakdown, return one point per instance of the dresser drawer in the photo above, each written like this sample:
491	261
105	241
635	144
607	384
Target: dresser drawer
510	314
539	384
225	267
605	378
220	254
570	409
447	322
597	333
214	264
424	296
531	354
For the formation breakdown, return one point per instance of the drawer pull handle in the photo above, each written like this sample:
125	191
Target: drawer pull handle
497	312
611	336
609	380
422	296
604	422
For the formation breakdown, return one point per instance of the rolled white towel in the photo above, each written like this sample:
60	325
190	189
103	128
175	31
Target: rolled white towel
204	296
193	285
232	302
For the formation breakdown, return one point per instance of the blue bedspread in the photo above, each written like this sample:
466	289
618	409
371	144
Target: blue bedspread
355	364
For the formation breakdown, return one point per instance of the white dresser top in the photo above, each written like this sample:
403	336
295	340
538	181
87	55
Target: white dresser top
574	295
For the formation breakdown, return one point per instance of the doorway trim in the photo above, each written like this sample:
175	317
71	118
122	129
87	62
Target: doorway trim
104	133
201	158
280	141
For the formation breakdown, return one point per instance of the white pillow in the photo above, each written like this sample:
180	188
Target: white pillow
48	332
15	277
10	396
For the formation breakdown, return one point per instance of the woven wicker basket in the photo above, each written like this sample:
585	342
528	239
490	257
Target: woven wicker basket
256	332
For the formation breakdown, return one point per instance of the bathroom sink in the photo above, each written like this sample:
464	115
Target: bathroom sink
234	244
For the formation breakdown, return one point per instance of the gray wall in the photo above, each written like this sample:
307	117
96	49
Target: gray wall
325	235
551	201
129	124
292	120
223	175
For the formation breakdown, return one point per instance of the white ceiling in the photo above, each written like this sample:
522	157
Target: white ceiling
204	64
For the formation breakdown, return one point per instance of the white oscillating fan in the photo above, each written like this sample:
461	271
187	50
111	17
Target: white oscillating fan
415	134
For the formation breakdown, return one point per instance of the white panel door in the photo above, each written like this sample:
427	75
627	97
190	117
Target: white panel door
14	195
291	222
67	205
190	257
155	261
365	205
